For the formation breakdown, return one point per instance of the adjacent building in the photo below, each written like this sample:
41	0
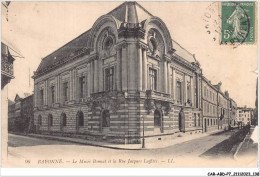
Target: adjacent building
124	76
245	115
20	114
210	105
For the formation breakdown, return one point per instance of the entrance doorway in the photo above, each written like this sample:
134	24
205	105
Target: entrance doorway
158	121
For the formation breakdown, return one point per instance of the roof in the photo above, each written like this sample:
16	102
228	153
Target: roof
66	51
18	97
128	12
10	102
183	53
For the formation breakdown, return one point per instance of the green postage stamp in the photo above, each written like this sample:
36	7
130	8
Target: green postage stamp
238	22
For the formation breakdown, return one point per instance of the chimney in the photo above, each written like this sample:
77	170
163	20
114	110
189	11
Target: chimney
226	94
219	85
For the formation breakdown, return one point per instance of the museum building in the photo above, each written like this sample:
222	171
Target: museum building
124	75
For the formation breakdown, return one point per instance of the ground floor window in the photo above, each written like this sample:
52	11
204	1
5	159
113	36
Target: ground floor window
50	120
157	119
63	119
39	120
80	119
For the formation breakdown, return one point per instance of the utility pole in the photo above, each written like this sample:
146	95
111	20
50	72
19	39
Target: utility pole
143	142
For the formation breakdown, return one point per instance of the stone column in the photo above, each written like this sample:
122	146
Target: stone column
169	78
174	83
95	72
124	68
59	89
100	75
144	70
56	88
46	92
192	90
140	68
165	73
132	70
118	70
91	85
184	88
75	83
71	86
88	88
35	94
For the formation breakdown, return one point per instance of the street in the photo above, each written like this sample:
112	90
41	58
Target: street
188	154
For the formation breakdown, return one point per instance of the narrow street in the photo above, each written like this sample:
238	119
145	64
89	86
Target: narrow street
188	153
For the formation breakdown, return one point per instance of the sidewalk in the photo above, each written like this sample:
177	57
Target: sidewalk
248	149
170	140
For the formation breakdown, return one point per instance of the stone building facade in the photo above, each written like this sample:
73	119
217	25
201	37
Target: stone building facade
244	115
20	113
124	75
210	105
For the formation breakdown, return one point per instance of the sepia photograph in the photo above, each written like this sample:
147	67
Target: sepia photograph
129	84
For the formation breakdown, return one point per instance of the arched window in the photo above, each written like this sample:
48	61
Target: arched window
105	118
157	118
63	119
80	118
40	120
50	120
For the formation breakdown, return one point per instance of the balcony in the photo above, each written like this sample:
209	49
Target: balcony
157	95
7	72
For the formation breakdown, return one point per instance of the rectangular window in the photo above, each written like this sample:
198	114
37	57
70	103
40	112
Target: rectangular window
188	92
153	79
52	94
66	91
81	86
207	108
195	92
109	78
205	91
179	92
41	97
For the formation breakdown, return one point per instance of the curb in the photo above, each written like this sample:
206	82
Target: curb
239	146
49	137
83	143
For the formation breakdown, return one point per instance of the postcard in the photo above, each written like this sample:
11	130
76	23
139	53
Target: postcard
129	84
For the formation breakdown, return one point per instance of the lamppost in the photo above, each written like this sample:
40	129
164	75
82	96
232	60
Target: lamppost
143	142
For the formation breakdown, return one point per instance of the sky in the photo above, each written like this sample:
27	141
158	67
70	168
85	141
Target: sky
39	28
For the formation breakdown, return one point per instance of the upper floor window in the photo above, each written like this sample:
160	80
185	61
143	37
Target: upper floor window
179	92
66	90
41	97
153	79
81	86
109	78
188	92
52	94
205	91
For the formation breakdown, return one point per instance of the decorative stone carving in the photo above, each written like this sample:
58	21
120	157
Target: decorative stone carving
106	100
